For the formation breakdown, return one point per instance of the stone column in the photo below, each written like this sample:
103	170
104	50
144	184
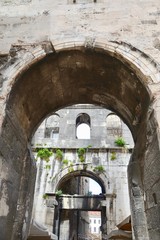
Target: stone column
138	216
17	176
152	169
56	222
25	199
103	223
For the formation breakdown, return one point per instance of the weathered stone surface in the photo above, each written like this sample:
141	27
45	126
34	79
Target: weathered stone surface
82	19
57	75
154	234
91	64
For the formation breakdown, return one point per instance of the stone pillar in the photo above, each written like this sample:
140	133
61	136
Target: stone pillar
152	171
8	193
11	164
17	177
25	199
103	223
56	222
138	216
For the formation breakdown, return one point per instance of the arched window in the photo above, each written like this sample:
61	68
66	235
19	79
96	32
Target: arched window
114	125
83	126
52	127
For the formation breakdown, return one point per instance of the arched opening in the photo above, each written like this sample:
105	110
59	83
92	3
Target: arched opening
97	77
49	128
75	174
114	125
79	224
76	205
83	126
94	187
52	127
83	131
117	131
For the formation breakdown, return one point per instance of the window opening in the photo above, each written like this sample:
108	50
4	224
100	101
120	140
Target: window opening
52	127
83	126
83	131
114	125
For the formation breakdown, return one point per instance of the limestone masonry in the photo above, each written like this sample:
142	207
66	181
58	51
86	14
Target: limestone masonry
56	54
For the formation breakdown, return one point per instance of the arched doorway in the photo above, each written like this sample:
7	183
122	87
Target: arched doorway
70	76
74	205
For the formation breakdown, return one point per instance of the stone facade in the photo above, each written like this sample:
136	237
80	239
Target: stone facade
55	54
95	223
105	127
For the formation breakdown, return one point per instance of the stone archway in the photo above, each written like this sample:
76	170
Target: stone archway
75	200
85	170
38	80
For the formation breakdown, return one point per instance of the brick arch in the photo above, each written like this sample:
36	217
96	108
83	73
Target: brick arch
41	79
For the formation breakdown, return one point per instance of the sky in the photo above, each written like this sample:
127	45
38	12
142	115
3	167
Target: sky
94	187
83	132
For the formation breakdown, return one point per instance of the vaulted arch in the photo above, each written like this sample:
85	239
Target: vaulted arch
112	76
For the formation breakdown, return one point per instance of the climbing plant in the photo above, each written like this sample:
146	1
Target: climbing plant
70	169
45	196
99	169
58	192
44	153
48	166
120	142
113	156
82	153
65	162
59	155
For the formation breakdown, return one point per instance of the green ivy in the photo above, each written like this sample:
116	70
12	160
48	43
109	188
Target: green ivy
120	142
113	156
48	166
81	151
82	159
99	169
59	192
59	154
65	162
81	154
45	196
70	169
44	153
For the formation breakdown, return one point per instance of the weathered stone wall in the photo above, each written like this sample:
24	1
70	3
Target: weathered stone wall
100	153
31	21
100	137
29	108
115	182
119	29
